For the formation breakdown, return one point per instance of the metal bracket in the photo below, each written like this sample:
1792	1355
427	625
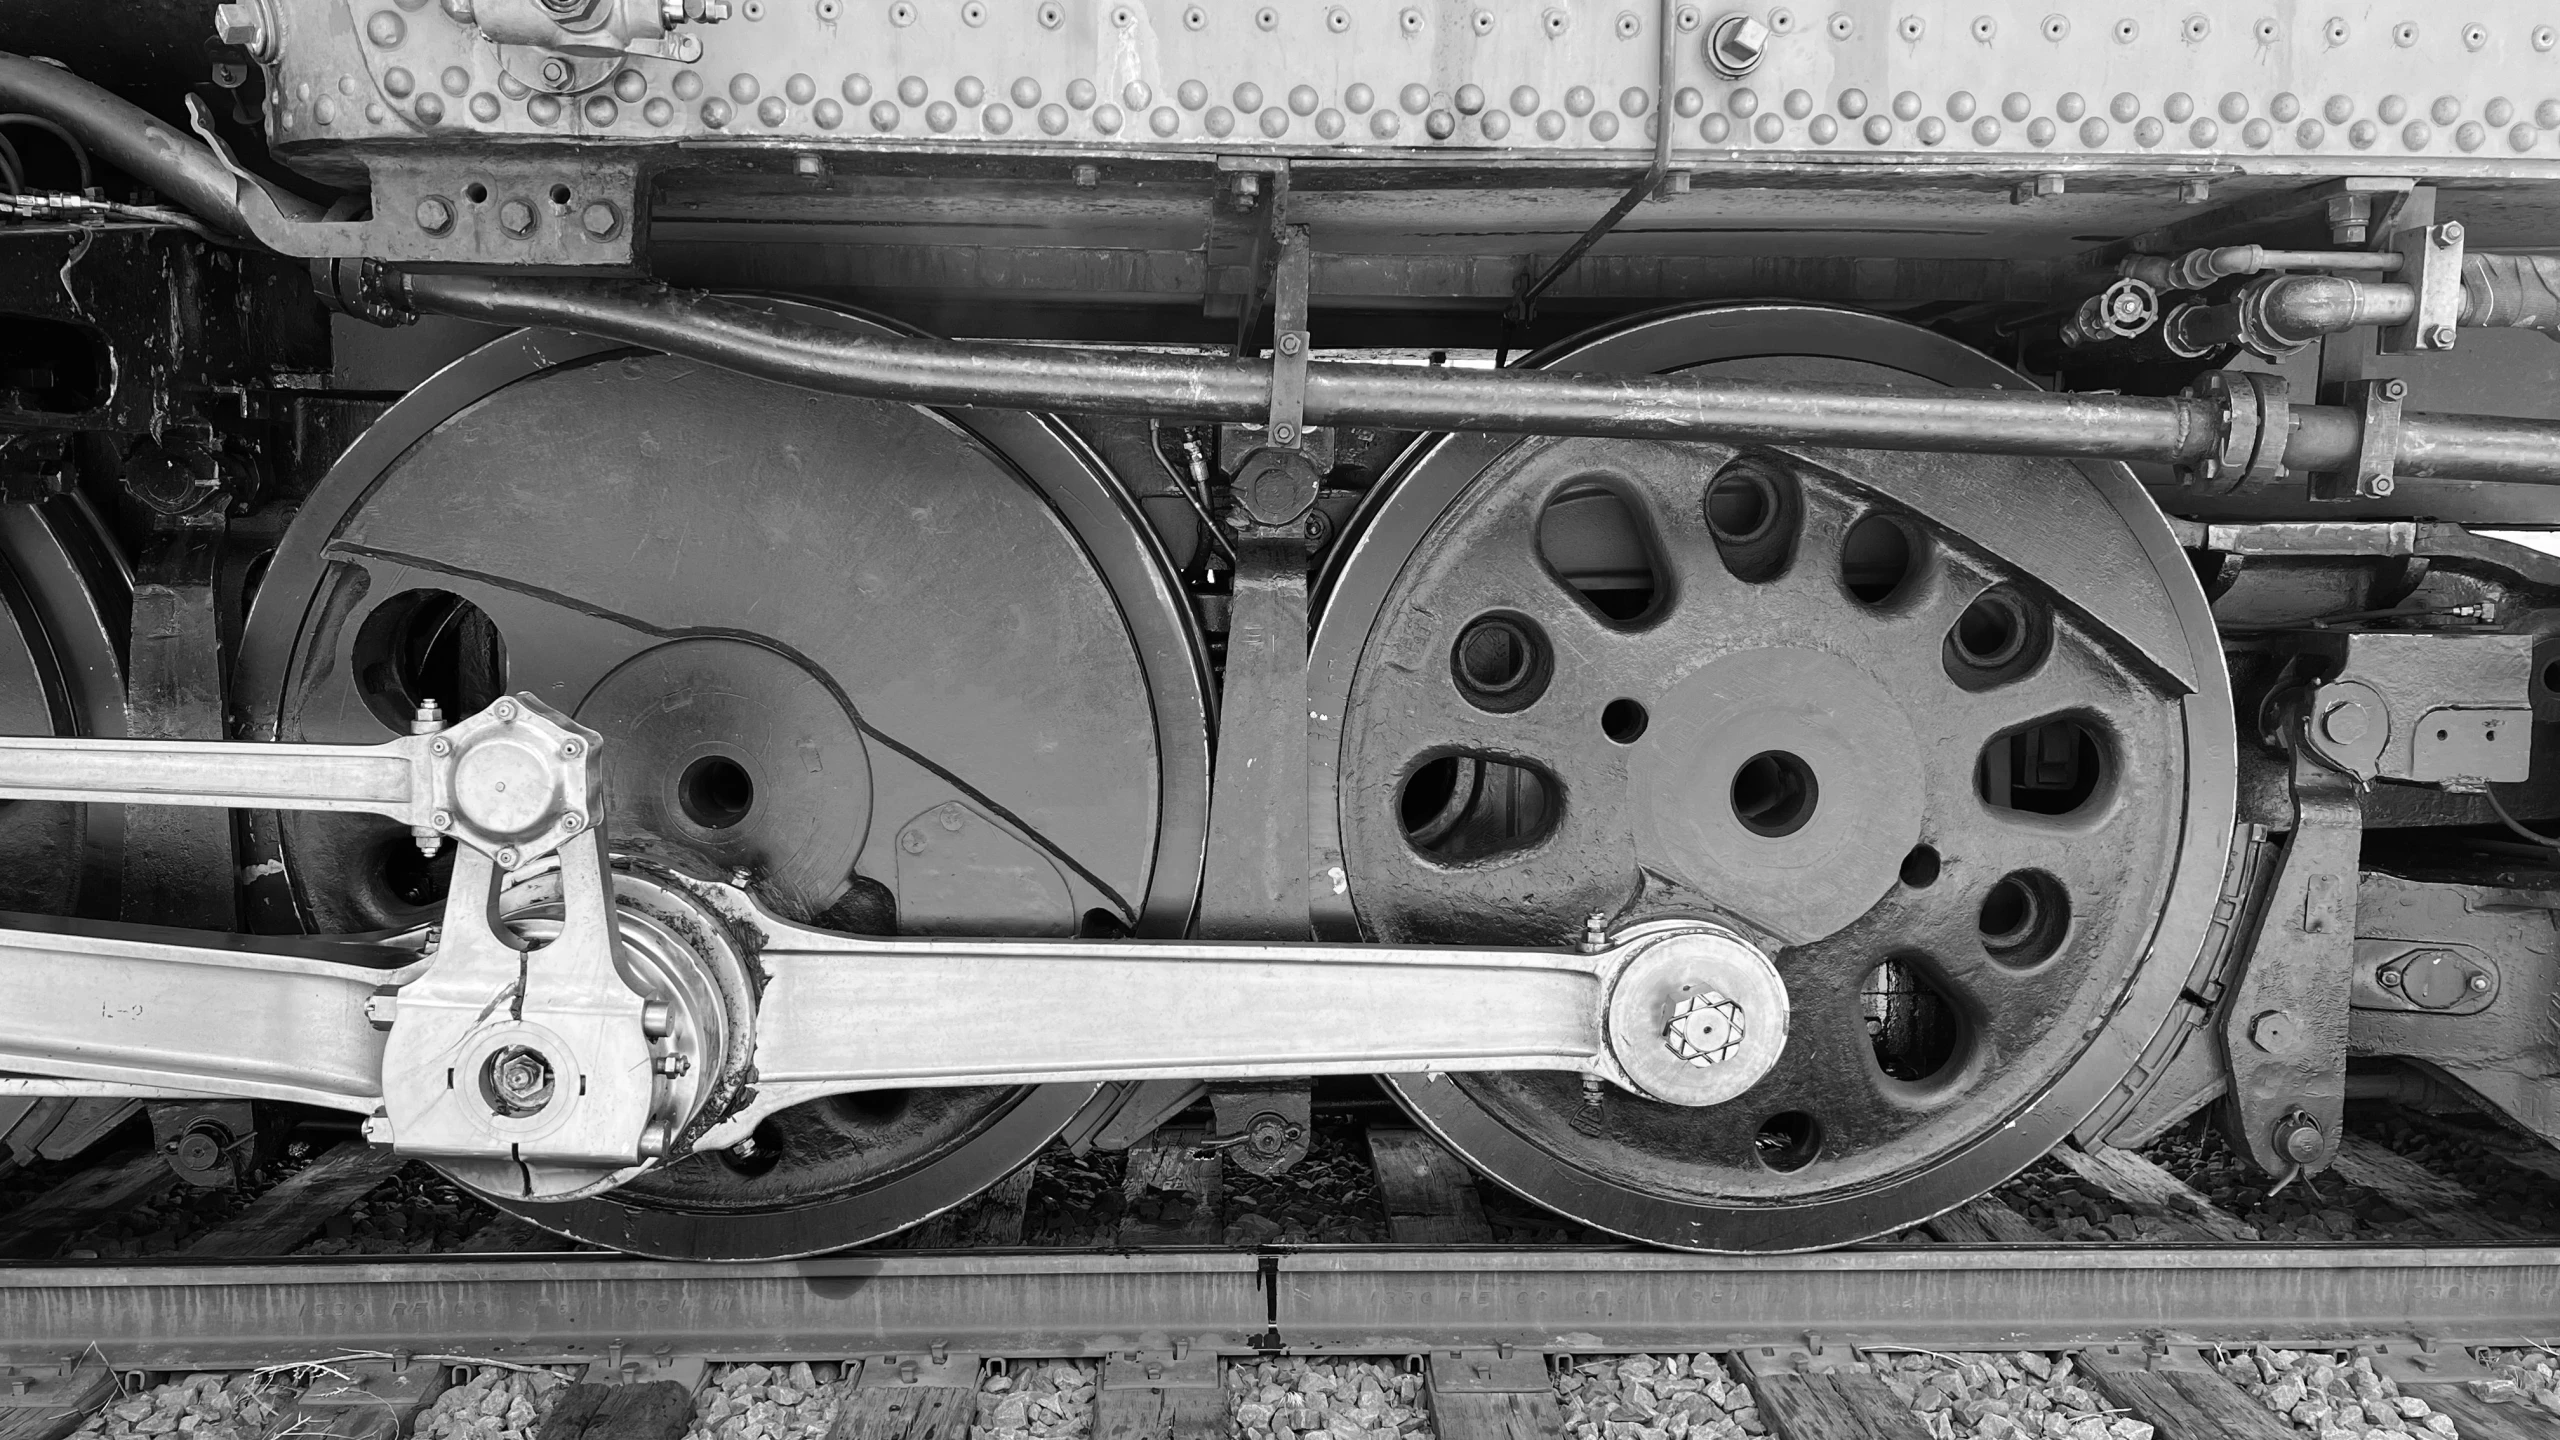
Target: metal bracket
1263	1128
1289	342
2431	263
2377	403
2284	1021
1249	184
2257	420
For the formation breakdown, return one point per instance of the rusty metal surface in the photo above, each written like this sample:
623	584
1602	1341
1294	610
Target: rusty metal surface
1364	1301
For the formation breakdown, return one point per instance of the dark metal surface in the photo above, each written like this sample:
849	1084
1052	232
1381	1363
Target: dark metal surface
782	610
1859	689
1360	1301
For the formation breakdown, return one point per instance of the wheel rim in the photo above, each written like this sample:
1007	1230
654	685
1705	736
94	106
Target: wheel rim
803	603
1791	733
66	603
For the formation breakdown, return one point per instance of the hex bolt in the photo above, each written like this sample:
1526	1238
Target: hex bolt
1291	343
435	214
2388	979
2272	1031
245	25
2440	337
600	220
504	710
1088	176
573	822
2478	983
516	218
2449	233
2194	192
1595	932
2345	722
555	72
520	1080
442	819
813	167
507	858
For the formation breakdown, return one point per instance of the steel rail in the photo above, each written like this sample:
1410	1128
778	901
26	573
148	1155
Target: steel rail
1374	1300
2175	430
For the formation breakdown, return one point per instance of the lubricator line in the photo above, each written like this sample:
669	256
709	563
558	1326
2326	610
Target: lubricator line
737	335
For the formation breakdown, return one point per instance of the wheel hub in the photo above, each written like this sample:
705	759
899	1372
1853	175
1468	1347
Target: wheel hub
1947	737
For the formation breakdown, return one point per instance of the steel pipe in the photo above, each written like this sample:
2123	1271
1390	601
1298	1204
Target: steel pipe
736	335
141	144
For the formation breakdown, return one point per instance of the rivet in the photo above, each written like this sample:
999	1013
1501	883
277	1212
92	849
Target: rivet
828	113
2093	132
1798	104
2041	131
659	110
2017	107
1469	99
799	89
1743	103
1688	101
2150	132
484	107
1385	124
688	85
2446	110
1219	121
325	109
1960	105
2311	135
884	116
2178	107
2547	114
1165	120
2257	134
1633	100
1137	95
1107	118
939	117
1853	103
1578	101
744	88
2204	134
1879	129
1495	123
2338	109
1932	130
386	29
2522	138
1274	121
2417	135
2470	135
1190	95
2499	111
2070	107
996	119
1303	99
600	111
1026	92
1715	129
2285	108
455	80
1986	131
1824	130
1053	118
1604	126
1081	94
2392	110
630	86
1906	106
2126	107
911	91
2363	134
397	82
1551	125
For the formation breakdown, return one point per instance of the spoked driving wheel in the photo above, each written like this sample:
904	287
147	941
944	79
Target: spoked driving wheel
1949	735
890	669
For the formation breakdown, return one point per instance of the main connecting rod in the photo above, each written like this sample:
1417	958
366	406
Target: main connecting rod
581	1019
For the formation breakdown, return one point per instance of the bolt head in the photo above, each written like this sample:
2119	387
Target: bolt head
2345	722
2395	389
811	166
2272	1032
507	858
555	72
441	819
2449	233
435	215
1705	1028
2388	979
2479	983
244	25
2298	1139
515	217
2441	337
520	1079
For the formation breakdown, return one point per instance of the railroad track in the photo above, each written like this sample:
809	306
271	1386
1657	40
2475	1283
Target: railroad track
2098	1294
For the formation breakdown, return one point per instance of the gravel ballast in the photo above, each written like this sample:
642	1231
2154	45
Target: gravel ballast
1293	1399
1051	1400
245	1406
1662	1397
2020	1395
767	1402
496	1403
2331	1396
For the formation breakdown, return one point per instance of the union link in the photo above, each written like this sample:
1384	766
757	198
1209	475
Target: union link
577	1018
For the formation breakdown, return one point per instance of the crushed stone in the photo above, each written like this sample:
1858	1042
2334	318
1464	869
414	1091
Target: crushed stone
1662	1397
1050	1400
2332	1396
1297	1399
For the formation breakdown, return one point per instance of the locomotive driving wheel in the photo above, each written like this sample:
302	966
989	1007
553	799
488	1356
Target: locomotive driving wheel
890	669
1949	735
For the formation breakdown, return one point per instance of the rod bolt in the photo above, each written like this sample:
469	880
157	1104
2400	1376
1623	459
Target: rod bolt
600	219
2440	337
2479	983
2395	389
1291	343
435	214
2449	233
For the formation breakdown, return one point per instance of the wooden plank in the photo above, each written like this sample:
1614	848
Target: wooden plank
2182	1403
2147	1189
905	1412
1831	1405
2438	1201
2477	1419
1505	1416
56	1404
1984	1220
656	1410
1182	1400
37	1227
293	1211
1429	1193
367	1400
994	1217
1188	1188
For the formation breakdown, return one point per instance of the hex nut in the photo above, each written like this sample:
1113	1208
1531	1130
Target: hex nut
1705	1028
435	215
516	218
